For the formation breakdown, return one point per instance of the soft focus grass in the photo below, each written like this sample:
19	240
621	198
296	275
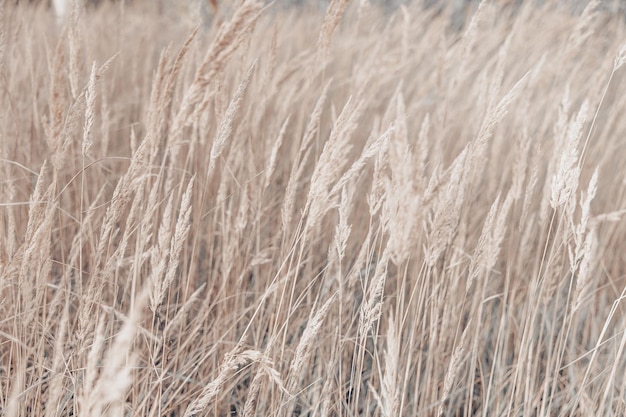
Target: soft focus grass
287	212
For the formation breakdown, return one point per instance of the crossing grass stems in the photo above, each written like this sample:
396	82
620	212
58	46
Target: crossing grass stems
286	212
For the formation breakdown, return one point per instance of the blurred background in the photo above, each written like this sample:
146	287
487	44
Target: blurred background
459	9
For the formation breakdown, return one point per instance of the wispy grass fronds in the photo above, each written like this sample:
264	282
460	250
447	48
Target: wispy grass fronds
289	211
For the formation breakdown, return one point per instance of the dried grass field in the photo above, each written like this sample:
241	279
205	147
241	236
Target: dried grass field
299	212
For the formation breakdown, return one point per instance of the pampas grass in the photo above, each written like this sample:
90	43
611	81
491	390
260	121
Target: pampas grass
363	211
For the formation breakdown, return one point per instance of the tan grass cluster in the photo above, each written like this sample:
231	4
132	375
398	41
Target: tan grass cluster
286	213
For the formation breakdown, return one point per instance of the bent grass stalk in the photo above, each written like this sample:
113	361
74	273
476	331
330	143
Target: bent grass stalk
352	211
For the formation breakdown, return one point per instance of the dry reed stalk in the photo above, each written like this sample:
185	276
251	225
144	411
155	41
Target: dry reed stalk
495	112
181	232
361	267
613	216
467	44
37	209
343	229
10	228
162	93
90	111
266	370
422	151
165	258
303	350
52	404
130	183
371	309
329	405
74	41
580	230
233	361
565	180
110	388
334	13
266	88
35	262
402	206
581	255
3	37
456	361
149	228
299	165
158	105
406	33
117	259
330	163
620	58
390	394
53	125
371	149
240	221
85	399
274	153
225	130
106	118
181	314
520	165
447	211
484	245
610	388
378	192
583	275
489	243
583	29
531	185
14	406
230	36
252	399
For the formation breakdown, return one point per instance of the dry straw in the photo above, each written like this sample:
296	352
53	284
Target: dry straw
351	211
